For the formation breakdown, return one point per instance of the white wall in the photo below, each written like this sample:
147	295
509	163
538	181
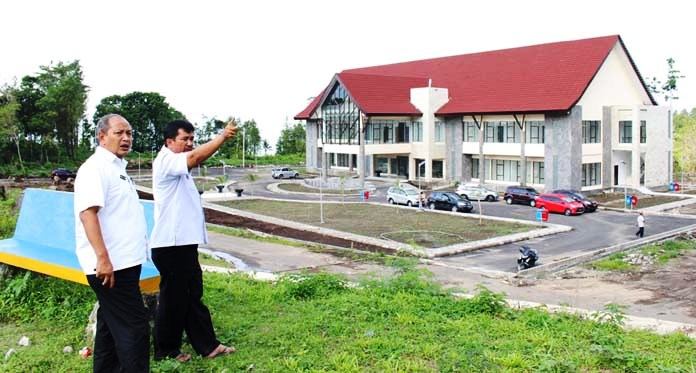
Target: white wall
616	83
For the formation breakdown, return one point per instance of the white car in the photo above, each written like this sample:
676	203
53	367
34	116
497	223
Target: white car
402	196
476	192
284	173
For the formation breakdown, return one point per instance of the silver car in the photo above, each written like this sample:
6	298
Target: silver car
476	193
402	196
284	173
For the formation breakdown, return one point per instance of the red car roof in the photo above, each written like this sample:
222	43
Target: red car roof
537	78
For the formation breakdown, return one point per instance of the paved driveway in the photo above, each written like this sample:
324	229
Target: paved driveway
591	231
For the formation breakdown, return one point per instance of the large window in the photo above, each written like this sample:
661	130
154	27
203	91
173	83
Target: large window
505	170
437	169
475	168
625	131
392	131
535	132
340	118
643	132
590	131
470	132
537	172
591	174
439	132
417	131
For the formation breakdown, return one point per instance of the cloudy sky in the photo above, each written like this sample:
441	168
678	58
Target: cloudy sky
264	59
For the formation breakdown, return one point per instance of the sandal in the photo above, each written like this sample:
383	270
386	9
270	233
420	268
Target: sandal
182	357
221	350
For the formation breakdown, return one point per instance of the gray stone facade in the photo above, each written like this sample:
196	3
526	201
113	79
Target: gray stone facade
453	154
312	156
563	150
607	161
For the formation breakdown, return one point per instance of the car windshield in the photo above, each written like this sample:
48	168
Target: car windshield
455	196
579	195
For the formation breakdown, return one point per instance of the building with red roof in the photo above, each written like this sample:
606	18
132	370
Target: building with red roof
572	115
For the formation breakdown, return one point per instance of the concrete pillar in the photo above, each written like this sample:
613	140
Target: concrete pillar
453	144
311	137
563	150
635	147
607	156
324	165
361	151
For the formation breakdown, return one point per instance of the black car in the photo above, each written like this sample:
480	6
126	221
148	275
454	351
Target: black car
590	204
519	194
448	201
63	174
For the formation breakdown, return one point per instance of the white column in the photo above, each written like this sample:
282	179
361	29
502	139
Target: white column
635	148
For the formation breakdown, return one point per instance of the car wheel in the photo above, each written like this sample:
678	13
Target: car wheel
432	206
567	212
409	204
490	198
532	203
295	176
508	201
454	209
391	201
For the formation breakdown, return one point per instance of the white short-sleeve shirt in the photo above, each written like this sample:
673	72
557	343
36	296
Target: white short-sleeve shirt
102	181
179	218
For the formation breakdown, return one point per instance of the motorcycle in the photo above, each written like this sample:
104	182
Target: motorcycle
528	257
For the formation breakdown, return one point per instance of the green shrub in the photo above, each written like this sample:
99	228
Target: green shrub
307	286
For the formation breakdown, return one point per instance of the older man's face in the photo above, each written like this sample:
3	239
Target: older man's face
118	137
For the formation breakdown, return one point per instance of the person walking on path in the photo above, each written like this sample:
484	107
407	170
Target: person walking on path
179	229
111	245
641	225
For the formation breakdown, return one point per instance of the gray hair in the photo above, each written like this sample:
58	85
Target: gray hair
103	125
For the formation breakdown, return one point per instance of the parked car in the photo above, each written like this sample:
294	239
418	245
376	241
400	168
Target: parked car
523	195
402	196
476	192
560	203
63	174
590	204
284	173
448	201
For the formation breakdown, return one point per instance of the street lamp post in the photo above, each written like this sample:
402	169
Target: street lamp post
420	201
321	194
243	146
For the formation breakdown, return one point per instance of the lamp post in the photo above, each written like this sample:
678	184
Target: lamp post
420	202
321	194
243	145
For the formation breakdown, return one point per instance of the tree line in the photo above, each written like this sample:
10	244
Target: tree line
43	122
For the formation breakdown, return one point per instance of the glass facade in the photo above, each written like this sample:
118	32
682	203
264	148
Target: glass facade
393	131
505	132
591	174
590	131
625	131
509	170
340	116
643	133
470	132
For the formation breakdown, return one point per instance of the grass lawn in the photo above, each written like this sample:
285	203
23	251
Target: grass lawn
401	324
296	187
661	254
425	229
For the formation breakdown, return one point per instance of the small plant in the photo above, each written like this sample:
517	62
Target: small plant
307	286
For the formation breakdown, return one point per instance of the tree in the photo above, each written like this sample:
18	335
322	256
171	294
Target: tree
147	113
51	106
292	140
266	147
669	87
9	128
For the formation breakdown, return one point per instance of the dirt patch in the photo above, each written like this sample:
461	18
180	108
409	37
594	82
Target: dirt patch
670	285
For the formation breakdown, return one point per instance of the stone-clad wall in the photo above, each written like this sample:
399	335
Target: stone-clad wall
563	150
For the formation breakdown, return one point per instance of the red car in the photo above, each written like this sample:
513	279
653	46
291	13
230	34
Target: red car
560	203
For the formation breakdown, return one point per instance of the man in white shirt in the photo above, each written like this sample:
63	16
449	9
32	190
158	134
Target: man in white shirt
641	225
111	240
179	229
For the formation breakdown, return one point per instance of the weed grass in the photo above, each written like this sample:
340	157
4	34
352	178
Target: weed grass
405	323
662	253
426	229
296	187
9	212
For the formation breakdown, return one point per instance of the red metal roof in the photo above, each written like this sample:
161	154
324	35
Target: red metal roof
538	78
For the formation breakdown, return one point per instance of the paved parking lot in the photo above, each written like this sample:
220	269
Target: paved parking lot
591	231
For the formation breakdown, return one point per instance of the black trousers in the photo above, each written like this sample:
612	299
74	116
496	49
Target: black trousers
180	307
640	232
122	343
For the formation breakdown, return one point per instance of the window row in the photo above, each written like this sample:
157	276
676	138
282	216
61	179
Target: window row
504	132
393	132
509	170
626	131
591	174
